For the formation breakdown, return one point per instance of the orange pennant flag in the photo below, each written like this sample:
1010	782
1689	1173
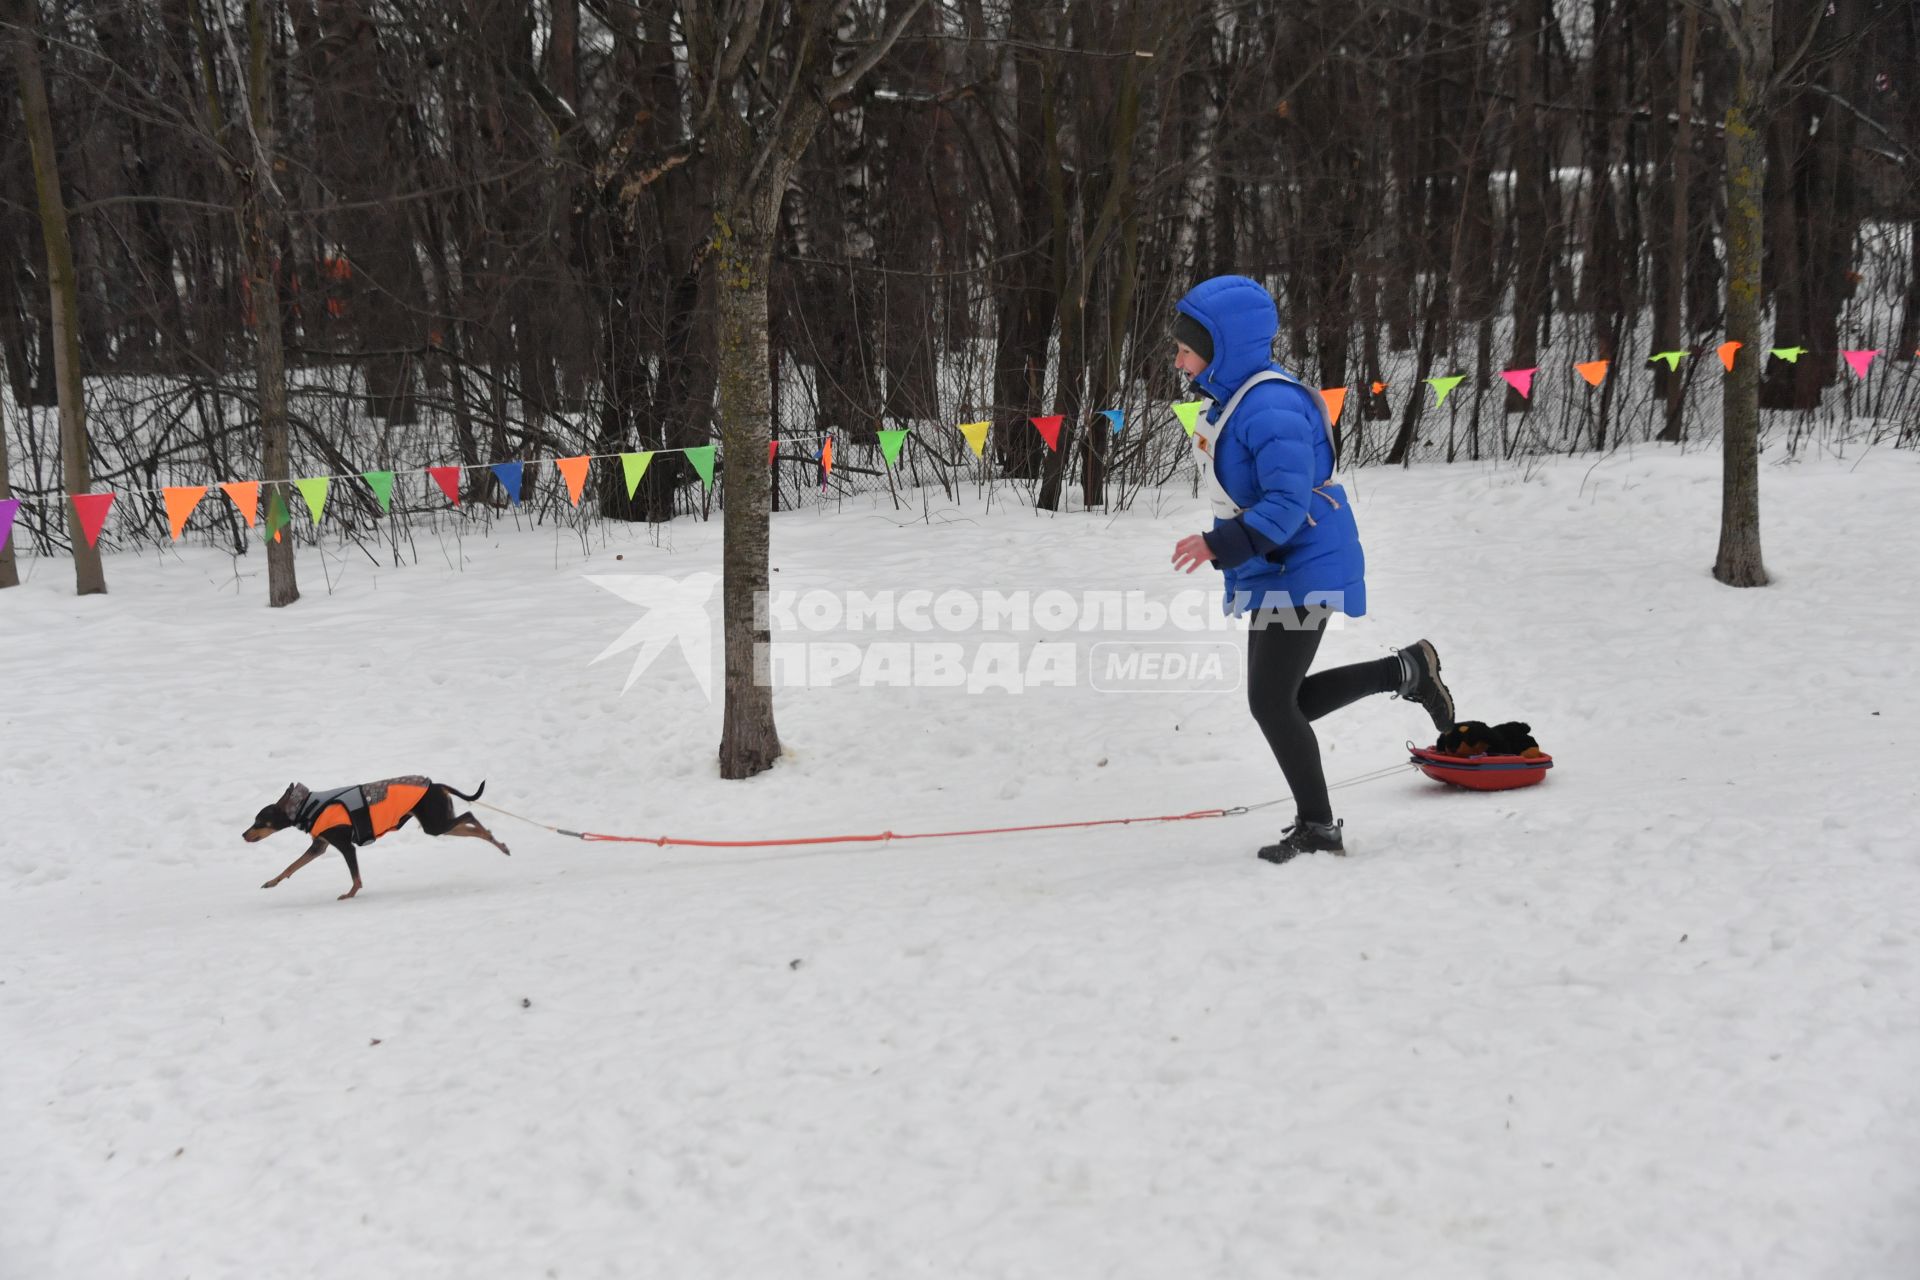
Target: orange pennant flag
1725	351
1378	387
246	496
1336	398
826	456
180	504
1594	371
575	470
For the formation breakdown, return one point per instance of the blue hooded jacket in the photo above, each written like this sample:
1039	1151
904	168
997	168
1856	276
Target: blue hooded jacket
1295	532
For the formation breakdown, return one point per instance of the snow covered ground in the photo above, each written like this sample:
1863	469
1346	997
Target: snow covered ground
1655	1018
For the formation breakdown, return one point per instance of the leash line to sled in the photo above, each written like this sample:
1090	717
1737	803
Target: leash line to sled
887	837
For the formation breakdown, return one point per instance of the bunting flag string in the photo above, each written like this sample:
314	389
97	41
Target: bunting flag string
181	501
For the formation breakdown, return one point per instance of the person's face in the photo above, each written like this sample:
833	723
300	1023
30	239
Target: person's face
1187	360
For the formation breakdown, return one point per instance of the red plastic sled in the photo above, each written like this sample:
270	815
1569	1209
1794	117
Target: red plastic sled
1482	773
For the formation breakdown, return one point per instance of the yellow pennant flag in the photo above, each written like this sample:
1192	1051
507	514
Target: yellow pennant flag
575	470
976	434
635	465
314	490
180	504
1188	411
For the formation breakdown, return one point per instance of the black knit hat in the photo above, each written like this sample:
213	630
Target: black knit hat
1194	334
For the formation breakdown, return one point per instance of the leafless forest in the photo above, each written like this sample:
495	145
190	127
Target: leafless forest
389	233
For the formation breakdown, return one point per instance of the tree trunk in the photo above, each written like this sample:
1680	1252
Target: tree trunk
1738	562
1673	281
742	258
9	573
260	217
62	287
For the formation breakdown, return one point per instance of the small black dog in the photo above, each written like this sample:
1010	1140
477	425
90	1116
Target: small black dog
349	816
1477	738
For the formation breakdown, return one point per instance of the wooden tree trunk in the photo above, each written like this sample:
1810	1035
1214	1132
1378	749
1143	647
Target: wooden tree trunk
260	217
1738	563
62	287
1673	280
9	572
742	258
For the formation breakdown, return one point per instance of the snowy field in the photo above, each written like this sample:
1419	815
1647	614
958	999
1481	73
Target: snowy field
1659	1017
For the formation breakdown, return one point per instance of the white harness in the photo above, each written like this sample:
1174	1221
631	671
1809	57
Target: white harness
1205	434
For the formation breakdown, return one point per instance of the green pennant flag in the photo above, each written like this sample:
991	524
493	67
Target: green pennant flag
315	492
382	483
276	517
1188	411
1790	354
702	460
890	442
1673	358
1442	387
635	465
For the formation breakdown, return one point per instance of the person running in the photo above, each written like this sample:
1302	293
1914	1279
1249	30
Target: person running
1284	536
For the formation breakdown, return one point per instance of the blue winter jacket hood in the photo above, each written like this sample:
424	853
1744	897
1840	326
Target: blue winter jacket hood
1294	541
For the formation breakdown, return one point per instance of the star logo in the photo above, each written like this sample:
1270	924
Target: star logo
676	614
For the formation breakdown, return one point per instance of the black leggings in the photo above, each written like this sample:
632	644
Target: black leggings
1286	700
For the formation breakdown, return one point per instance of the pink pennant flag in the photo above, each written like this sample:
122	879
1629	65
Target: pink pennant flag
1049	429
448	478
1521	380
1860	360
92	508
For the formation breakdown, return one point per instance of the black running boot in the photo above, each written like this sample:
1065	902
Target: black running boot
1420	682
1305	837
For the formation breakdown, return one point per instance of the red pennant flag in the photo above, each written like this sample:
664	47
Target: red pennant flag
773	447
92	509
1049	429
448	478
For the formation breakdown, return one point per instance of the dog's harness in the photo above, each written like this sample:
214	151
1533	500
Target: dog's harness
1207	434
369	810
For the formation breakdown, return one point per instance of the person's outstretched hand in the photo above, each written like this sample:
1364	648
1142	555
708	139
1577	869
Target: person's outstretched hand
1191	552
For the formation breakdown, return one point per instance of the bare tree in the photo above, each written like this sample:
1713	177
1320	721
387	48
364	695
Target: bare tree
62	285
764	76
